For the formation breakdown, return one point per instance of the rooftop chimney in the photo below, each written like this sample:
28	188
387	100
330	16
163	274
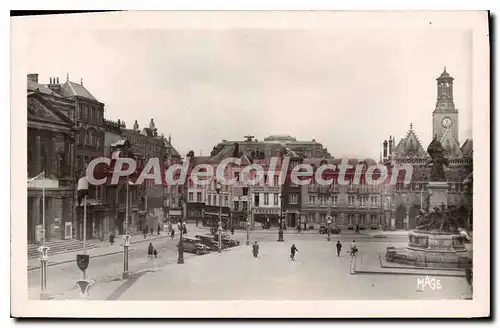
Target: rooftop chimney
54	85
33	77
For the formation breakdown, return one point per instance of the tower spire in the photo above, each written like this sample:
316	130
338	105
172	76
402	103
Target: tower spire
67	77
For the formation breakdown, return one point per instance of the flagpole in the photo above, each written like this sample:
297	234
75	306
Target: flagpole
43	209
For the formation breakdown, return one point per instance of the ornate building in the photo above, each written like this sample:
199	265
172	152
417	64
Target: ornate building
146	200
349	205
50	150
402	202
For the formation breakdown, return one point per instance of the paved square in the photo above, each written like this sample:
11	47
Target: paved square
317	274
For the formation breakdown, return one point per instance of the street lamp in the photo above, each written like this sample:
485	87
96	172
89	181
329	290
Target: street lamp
248	231
329	221
42	249
280	232
126	244
180	247
218	189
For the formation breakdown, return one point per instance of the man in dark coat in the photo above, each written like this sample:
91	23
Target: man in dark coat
255	249
150	250
293	250
159	229
339	247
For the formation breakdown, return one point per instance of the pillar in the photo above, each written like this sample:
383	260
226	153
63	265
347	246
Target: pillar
35	215
54	164
38	156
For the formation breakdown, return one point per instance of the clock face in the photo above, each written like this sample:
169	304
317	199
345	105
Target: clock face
447	122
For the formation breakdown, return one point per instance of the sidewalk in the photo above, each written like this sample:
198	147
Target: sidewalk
103	248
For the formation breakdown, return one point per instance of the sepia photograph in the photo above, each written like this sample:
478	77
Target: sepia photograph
250	164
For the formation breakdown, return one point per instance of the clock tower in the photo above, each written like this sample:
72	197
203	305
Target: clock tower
445	116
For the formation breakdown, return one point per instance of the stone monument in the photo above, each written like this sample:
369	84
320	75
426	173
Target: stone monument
437	241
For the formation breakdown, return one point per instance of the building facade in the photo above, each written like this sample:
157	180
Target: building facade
403	202
49	150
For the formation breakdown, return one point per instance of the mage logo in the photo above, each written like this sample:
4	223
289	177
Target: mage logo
428	282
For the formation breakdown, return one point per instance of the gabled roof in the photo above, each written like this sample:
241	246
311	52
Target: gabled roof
410	146
72	89
467	149
41	109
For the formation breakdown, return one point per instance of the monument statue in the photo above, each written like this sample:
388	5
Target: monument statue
436	151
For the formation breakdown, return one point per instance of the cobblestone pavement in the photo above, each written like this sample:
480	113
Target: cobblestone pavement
106	269
317	274
235	274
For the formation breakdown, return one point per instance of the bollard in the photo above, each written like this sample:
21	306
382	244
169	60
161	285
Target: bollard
84	286
43	271
125	274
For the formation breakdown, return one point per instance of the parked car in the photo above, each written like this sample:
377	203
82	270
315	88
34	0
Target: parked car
210	242
194	245
333	230
226	239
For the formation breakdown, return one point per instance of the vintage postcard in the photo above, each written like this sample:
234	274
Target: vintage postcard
251	164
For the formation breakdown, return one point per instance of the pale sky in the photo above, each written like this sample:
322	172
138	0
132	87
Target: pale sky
349	89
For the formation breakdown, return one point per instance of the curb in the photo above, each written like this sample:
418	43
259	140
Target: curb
401	271
69	261
99	255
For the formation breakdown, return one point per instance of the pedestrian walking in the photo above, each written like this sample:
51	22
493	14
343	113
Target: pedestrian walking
155	253
354	248
152	230
172	233
159	229
293	250
339	247
150	250
111	238
255	249
298	228
145	232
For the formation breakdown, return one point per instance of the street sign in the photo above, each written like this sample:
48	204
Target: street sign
43	184
82	260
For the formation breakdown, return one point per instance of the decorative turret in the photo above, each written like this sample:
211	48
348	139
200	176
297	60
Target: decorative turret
136	126
385	149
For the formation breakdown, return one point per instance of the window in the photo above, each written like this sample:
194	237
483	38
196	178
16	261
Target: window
374	201
190	196
350	201
245	191
322	200
350	219
226	201
276	180
237	176
209	199
312	200
294	198
266	199
334	201
236	205
198	197
245	206
362	201
276	198
256	200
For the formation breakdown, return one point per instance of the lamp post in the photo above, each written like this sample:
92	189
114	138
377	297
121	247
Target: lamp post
180	247
329	220
218	189
42	249
280	231
126	243
248	231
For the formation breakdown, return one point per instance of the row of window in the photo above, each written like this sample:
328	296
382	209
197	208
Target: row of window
372	201
88	138
145	144
348	219
90	114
